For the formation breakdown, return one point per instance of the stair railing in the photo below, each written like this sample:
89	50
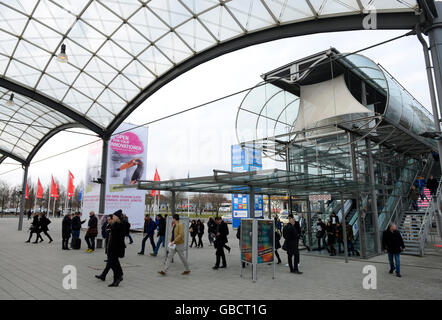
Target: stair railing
428	219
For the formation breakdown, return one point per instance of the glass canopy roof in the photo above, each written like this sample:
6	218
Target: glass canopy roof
266	182
116	49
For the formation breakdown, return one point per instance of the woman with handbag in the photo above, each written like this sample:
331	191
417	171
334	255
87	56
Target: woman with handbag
34	228
44	222
277	244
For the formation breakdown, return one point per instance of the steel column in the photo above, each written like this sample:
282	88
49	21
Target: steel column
173	200
103	186
374	205
252	202
23	197
344	229
309	223
269	206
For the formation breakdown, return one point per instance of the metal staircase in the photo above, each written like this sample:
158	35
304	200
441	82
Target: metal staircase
414	226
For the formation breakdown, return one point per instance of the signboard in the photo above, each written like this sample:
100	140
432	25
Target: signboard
319	197
246	240
126	165
266	234
245	159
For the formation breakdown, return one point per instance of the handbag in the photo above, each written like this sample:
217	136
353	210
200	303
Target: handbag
284	245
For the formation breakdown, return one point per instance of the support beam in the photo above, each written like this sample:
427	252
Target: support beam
374	205
23	197
344	229
252	202
52	104
173	200
103	187
309	224
269	206
12	156
428	67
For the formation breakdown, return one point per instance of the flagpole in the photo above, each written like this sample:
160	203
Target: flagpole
53	210
49	200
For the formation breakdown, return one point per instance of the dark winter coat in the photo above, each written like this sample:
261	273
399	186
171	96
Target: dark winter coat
116	246
161	227
92	230
149	227
320	233
193	229
277	239
392	242
222	231
432	184
76	223
331	234
211	226
291	236
44	222
66	227
200	229
35	225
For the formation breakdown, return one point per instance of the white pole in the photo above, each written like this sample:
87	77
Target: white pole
188	207
53	210
49	200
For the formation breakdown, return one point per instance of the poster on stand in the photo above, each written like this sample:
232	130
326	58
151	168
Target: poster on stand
266	233
246	240
126	165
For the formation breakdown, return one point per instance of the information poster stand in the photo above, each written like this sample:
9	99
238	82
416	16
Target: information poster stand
257	244
185	221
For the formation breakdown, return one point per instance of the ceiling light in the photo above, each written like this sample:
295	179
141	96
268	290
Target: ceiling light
62	56
10	102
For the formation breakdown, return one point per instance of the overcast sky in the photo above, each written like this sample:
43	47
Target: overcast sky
199	141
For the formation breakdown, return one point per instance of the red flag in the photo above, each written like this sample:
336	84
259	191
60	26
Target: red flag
155	178
27	191
54	189
71	188
40	190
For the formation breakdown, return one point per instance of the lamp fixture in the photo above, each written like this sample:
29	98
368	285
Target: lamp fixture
62	56
10	102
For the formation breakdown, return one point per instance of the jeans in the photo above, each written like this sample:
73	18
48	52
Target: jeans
143	243
200	240
75	235
414	205
130	238
293	258
161	240
90	242
179	248
396	259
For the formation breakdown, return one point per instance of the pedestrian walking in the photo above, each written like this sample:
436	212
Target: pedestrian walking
148	233
320	234
44	223
115	250
176	245
161	234
432	184
331	238
393	244
193	233
35	228
92	232
291	244
66	230
222	231
211	230
420	185
126	225
414	196
200	233
277	244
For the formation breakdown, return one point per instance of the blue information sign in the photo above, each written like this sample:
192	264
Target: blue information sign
245	159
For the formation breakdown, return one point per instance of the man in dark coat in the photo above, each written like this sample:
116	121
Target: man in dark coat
432	184
92	232
200	232
115	249
291	236
66	230
161	234
76	227
44	222
393	244
320	233
35	228
222	231
148	233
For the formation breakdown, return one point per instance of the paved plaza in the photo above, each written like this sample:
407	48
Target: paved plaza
34	271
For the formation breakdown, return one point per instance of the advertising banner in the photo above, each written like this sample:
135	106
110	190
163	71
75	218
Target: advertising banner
245	159
246	240
126	165
266	233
